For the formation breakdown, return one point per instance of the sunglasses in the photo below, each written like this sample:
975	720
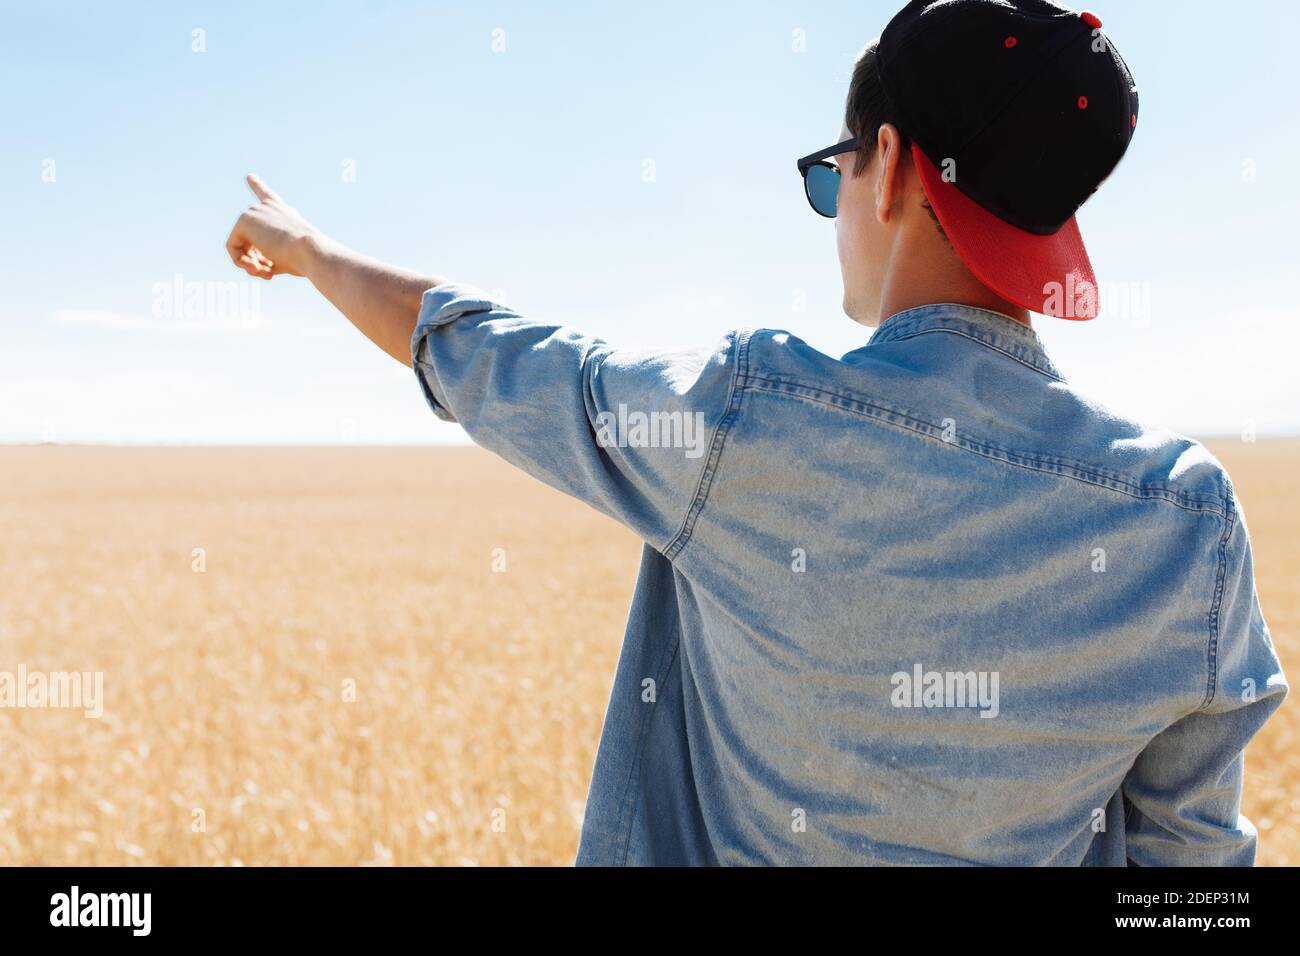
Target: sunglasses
821	179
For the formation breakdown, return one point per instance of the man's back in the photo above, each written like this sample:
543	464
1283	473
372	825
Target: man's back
921	604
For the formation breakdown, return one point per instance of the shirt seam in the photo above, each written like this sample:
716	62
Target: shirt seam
739	372
1216	604
905	421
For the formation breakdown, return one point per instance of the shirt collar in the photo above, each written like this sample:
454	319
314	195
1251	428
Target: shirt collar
991	329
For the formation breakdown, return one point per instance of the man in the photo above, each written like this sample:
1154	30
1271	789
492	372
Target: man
920	604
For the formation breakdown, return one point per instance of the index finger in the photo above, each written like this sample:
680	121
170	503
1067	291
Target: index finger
260	189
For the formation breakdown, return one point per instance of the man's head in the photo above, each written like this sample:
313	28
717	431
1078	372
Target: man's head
982	125
886	230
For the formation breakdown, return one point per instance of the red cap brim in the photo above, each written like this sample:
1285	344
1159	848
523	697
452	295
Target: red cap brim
1050	275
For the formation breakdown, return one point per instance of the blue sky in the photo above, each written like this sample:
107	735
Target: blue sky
624	168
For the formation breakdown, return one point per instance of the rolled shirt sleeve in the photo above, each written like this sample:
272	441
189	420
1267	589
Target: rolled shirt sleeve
630	432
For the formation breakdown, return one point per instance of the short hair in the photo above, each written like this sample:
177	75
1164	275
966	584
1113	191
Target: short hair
867	109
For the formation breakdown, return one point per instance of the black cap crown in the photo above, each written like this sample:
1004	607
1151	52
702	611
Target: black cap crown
1027	103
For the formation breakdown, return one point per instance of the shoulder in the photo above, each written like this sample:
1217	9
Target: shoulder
1144	455
702	374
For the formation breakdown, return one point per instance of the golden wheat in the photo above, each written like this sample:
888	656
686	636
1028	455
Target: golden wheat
311	656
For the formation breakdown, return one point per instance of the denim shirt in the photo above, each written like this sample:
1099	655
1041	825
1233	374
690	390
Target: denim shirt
922	604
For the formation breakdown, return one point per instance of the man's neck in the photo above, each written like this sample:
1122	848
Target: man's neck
925	269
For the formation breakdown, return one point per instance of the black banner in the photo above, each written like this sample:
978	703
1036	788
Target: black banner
335	906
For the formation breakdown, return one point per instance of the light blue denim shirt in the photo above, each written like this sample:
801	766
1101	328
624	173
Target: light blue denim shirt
921	604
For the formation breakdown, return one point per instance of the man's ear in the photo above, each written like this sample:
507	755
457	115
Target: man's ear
888	171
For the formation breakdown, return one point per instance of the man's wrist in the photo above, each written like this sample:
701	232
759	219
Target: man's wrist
310	252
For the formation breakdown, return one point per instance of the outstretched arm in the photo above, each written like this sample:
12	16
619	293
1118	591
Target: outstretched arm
543	396
272	238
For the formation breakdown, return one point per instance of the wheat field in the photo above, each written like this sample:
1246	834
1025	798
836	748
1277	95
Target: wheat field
368	656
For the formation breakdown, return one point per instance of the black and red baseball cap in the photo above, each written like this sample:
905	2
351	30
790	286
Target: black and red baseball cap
1017	111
